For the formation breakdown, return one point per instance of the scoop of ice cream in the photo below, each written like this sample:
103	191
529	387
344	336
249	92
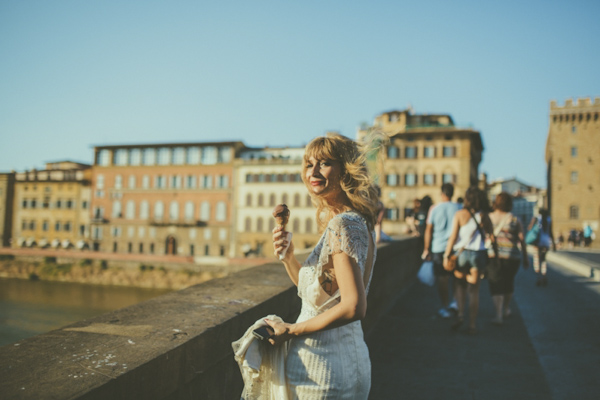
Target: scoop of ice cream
281	214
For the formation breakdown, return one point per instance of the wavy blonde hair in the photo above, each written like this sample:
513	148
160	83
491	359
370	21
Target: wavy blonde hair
355	180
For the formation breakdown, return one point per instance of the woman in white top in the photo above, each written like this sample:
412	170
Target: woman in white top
469	229
545	240
327	357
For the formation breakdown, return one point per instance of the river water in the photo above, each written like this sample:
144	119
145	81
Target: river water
28	308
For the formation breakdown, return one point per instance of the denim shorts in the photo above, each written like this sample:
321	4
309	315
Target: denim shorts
472	259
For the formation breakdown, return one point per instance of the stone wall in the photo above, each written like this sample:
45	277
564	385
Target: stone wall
177	346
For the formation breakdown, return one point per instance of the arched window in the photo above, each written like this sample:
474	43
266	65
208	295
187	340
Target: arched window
272	200
261	200
221	212
296	225
118	182
248	224
284	198
205	211
271	224
189	211
116	209
249	199
259	224
297	200
308	225
144	210
174	211
131	182
308	201
130	210
159	210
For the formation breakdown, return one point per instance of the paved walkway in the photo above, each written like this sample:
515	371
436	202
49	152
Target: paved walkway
548	349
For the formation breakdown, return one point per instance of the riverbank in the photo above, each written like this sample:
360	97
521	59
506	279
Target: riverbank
160	272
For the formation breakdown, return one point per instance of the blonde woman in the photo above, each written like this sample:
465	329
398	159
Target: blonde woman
327	356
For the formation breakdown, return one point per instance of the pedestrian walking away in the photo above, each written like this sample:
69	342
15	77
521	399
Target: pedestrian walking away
542	245
510	239
437	232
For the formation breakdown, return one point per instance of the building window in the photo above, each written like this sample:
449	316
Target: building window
272	200
190	182
58	203
573	151
393	152
209	155
449	151
284	198
224	155
45	226
308	201
57	226
410	179
259	224
392	179
189	211
205	211
131	182
118	182
249	200
159	210
297	200
248	178
164	156
144	209
221	213
33	203
32	225
103	158
24	203
121	157
99	181
98	212
145	182
141	248
391	214
24	225
260	200
429	151
68	204
151	248
174	211
296	225
308	225
410	152
116	209
179	155
176	182
67	226
574	212
135	157
574	177
448	178
130	210
206	181
223	181
248	224
149	157
573	129
193	155
429	179
84	205
160	182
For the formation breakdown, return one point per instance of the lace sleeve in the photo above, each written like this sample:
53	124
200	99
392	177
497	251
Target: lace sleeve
348	234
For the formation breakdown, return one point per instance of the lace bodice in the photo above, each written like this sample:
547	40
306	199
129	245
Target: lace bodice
346	232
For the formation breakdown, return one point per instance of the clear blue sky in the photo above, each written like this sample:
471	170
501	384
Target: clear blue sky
74	74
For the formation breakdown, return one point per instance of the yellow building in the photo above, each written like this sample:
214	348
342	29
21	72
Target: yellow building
265	178
7	189
173	198
424	151
572	157
51	206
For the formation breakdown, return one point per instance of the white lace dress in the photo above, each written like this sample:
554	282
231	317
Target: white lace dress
332	364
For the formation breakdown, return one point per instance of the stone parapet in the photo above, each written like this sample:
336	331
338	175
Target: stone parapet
177	346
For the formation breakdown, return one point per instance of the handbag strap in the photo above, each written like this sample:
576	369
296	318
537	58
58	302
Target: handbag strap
472	235
499	228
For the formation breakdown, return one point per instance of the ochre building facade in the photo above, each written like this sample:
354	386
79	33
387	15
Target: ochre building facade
573	162
423	152
173	199
51	206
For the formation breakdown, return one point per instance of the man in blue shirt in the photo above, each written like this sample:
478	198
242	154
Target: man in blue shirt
437	232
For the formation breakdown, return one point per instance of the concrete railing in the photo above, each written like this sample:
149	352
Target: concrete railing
177	346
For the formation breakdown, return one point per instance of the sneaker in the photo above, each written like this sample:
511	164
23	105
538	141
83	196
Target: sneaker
444	313
453	306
